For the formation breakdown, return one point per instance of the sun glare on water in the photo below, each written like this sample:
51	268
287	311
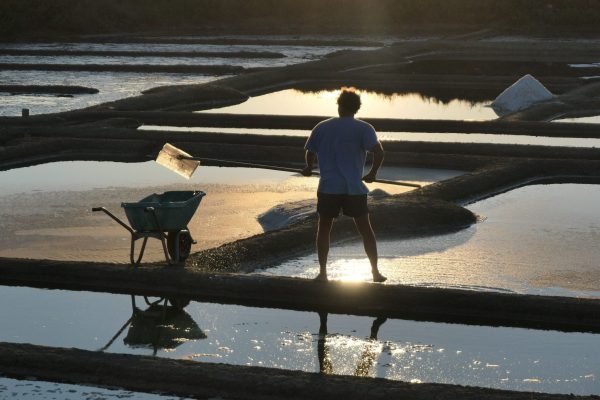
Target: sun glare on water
357	270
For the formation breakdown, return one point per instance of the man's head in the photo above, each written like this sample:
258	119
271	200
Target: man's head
348	102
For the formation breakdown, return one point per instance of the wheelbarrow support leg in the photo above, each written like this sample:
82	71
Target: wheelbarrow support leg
161	235
135	237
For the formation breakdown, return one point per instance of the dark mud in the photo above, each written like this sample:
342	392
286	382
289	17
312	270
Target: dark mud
179	69
46	89
237	41
123	53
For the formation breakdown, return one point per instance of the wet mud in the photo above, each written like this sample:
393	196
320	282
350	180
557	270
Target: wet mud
180	69
124	53
46	89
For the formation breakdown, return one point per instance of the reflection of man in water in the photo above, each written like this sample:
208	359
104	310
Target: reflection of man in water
367	358
341	145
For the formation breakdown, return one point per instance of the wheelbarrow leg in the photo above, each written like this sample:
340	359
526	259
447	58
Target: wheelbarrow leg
164	246
162	236
135	237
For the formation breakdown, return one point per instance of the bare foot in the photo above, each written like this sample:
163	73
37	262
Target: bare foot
377	277
321	277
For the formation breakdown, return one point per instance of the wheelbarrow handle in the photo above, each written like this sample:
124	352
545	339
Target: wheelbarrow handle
117	220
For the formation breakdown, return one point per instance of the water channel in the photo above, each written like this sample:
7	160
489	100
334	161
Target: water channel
411	351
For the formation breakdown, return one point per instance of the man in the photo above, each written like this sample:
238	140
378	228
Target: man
341	145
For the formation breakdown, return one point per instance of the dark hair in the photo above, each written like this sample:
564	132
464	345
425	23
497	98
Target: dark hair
349	100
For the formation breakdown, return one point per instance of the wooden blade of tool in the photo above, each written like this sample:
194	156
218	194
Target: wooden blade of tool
184	169
177	160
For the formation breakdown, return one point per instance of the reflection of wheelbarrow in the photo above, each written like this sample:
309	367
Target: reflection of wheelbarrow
156	214
163	325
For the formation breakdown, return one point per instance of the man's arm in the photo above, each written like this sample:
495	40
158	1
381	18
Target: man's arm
309	157
378	155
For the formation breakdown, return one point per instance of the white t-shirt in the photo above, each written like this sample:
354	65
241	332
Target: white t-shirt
341	145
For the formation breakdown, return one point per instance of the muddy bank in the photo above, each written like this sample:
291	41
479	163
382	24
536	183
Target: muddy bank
179	69
186	119
47	89
124	53
232	41
354	298
201	380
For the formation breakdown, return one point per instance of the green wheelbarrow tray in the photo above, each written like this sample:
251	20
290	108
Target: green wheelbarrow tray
162	216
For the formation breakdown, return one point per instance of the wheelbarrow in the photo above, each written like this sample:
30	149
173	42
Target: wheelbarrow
164	217
164	325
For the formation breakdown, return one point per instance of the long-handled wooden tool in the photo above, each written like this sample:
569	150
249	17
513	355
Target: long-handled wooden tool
185	165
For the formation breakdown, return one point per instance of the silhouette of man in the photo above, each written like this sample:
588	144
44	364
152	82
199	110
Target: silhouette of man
341	145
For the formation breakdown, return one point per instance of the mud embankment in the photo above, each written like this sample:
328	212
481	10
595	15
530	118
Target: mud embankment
354	298
125	53
176	69
47	89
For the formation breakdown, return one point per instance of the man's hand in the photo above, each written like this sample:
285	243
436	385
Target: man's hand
307	171
370	177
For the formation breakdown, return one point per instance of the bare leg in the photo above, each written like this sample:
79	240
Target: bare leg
323	236
368	236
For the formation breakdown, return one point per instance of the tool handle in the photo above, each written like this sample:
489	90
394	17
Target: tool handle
226	163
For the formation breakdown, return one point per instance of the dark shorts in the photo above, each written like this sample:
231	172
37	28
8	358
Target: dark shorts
329	205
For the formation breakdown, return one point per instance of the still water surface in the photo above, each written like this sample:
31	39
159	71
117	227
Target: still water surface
540	239
45	210
114	86
506	358
374	105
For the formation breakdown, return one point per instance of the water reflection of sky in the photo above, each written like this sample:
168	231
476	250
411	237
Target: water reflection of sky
40	390
518	359
114	86
89	175
294	102
45	209
540	239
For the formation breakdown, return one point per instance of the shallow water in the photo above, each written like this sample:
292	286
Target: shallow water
45	210
29	389
540	239
506	358
295	102
114	86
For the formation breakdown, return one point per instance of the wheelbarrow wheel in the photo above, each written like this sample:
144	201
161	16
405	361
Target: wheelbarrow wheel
179	302
182	240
